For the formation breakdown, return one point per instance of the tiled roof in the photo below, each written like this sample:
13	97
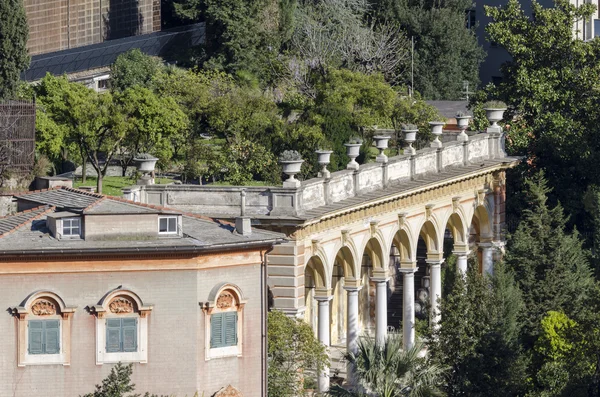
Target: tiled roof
11	223
62	197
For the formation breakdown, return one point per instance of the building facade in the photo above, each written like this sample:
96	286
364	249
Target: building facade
90	281
367	244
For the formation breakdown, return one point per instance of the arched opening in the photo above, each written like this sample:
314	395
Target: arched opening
479	231
342	268
400	251
314	277
372	259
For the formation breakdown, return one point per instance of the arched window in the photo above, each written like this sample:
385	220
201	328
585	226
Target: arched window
121	328
224	321
43	329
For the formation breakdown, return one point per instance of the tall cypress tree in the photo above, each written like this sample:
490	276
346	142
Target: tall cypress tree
14	33
477	338
551	267
446	50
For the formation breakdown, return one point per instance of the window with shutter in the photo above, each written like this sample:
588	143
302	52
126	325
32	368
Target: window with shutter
113	335
223	329
216	330
52	335
121	335
36	333
129	334
44	337
230	328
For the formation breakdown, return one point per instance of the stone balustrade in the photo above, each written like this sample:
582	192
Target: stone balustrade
234	201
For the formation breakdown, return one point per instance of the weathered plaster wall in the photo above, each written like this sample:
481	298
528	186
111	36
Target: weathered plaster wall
176	354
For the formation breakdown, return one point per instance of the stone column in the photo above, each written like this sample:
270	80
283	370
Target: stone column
408	307
381	307
461	252
487	258
435	290
352	287
323	335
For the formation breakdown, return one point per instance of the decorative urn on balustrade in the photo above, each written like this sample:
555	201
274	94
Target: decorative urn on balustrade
291	162
494	112
353	150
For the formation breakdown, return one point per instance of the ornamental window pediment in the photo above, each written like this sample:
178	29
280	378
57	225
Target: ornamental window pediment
121	327
43	329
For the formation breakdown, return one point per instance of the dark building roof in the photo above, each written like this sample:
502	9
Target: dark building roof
62	197
449	109
163	44
27	232
11	223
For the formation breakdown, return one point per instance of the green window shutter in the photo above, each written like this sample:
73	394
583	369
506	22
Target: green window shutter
230	328
216	330
113	335
36	337
52	336
129	336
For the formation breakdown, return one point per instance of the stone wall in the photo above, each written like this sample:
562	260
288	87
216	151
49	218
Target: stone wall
176	325
232	201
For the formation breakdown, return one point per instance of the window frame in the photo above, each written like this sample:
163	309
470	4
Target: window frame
168	232
43	306
104	313
70	227
224	298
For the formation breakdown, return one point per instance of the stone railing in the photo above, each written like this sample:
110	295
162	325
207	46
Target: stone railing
297	198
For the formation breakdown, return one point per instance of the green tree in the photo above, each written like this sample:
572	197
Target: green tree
90	120
551	85
293	351
14	33
446	51
153	124
551	267
133	68
477	338
388	370
117	384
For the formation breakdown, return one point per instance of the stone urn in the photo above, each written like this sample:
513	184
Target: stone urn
324	158
291	163
410	136
145	164
436	130
381	143
462	122
494	116
353	150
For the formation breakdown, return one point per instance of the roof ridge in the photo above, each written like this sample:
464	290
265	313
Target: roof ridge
84	192
162	207
94	203
50	208
38	191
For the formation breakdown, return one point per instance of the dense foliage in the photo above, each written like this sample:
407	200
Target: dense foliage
387	370
14	58
446	50
294	354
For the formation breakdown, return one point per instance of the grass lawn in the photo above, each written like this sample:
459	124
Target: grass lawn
112	185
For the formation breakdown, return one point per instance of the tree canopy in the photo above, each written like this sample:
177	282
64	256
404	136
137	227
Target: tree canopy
14	57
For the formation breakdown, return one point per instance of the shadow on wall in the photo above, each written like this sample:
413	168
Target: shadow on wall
123	19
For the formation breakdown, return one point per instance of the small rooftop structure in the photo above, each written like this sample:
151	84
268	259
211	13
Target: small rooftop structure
65	220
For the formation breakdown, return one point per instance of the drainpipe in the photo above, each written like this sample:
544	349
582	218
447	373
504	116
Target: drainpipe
264	312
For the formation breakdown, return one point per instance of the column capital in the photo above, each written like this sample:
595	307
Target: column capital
485	245
380	274
409	271
380	279
407	264
435	257
352	284
461	249
323	294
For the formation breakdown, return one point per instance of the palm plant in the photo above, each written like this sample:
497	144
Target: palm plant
386	370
